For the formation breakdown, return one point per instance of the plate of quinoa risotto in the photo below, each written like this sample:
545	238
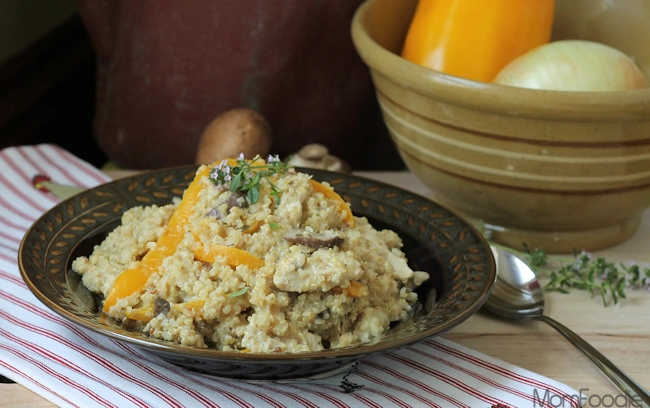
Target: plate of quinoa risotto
255	270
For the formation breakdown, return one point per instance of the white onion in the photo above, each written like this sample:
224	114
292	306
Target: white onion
573	65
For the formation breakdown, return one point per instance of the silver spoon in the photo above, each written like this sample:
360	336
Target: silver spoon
518	295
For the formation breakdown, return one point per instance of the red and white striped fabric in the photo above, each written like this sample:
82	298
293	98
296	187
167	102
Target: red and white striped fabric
73	367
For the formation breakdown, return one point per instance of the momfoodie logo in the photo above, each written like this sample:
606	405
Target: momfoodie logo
547	398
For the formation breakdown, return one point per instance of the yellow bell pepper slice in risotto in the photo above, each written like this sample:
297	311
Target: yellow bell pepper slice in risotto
330	194
133	280
233	256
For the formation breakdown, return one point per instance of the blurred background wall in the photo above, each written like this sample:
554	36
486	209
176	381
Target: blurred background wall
47	77
49	80
24	22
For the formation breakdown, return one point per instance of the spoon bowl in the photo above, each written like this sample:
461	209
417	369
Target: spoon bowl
517	295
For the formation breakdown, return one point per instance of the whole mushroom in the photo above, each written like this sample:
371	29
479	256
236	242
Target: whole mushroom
233	132
316	156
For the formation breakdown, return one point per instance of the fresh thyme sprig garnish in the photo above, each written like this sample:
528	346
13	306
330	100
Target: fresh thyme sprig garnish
595	275
245	175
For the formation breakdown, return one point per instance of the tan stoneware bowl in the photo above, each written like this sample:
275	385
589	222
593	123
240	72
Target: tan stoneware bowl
560	170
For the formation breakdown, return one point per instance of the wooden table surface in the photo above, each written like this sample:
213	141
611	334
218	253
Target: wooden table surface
621	332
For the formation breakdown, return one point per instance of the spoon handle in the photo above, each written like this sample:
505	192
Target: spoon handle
633	390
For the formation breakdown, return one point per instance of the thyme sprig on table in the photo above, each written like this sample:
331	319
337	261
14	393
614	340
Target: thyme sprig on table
245	175
593	274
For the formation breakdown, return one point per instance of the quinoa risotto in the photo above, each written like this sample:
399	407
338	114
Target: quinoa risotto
255	257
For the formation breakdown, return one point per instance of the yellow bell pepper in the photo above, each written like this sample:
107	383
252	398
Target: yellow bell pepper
475	39
330	194
233	256
133	280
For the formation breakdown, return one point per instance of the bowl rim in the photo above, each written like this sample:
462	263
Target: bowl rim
629	105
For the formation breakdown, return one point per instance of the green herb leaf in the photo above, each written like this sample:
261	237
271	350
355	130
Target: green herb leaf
253	194
238	293
536	258
597	275
246	176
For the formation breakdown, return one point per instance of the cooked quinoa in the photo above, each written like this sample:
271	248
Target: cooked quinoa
321	280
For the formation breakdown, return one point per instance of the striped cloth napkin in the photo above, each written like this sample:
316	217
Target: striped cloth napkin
74	367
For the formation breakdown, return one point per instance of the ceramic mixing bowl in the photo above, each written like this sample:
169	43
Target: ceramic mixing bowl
560	170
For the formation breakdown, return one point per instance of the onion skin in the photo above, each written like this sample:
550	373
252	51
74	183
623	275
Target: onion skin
573	65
